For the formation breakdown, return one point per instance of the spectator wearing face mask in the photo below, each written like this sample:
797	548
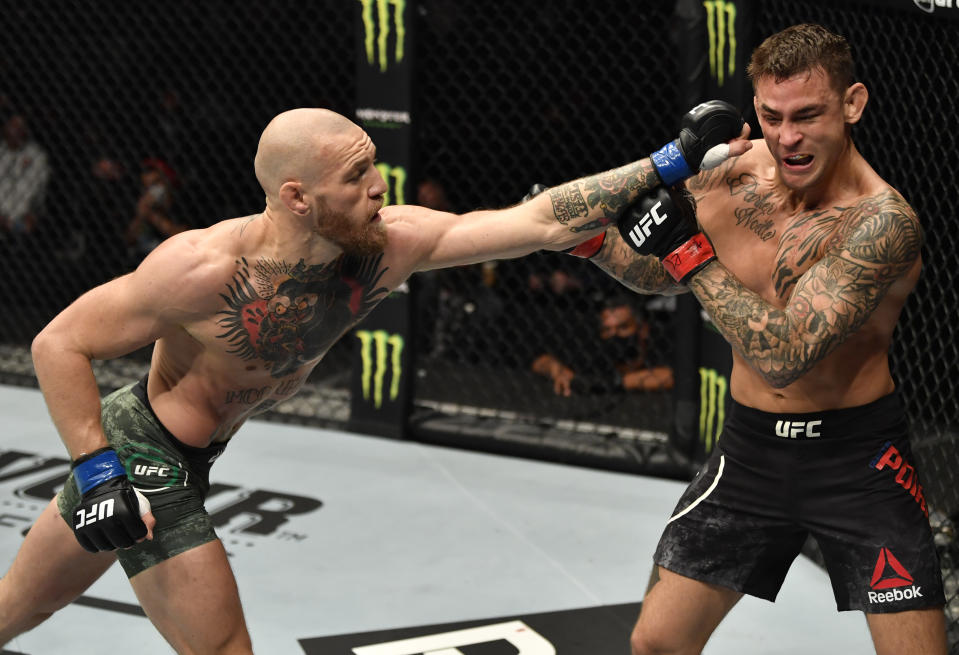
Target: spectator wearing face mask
616	358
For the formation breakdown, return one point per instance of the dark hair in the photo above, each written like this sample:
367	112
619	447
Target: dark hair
802	48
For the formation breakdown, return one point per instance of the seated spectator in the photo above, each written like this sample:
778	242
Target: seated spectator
24	174
616	356
153	221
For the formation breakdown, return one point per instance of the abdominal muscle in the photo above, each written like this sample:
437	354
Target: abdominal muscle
206	397
854	374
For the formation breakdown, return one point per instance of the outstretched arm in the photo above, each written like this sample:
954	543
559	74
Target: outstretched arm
562	217
570	213
832	300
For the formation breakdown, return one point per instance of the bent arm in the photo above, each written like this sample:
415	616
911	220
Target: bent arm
639	273
111	320
645	273
831	301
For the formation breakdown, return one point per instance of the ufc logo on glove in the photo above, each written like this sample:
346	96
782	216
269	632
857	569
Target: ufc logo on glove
642	228
97	512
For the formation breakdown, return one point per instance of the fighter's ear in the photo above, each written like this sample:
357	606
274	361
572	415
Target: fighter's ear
854	101
291	195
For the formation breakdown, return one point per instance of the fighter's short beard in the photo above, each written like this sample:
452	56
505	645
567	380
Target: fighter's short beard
357	240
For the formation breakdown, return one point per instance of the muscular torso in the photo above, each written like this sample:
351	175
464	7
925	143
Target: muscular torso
271	319
768	245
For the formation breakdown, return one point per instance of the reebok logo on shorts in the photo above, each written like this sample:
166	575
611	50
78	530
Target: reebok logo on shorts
889	573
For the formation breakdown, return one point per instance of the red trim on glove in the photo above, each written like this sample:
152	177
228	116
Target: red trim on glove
689	257
589	248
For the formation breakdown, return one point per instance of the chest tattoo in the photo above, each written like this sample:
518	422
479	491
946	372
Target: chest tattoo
289	314
755	214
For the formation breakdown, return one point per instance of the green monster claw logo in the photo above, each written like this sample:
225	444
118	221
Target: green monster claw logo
395	177
712	406
374	371
721	25
376	40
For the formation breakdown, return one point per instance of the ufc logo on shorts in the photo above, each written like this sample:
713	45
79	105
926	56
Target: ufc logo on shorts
798	429
641	230
143	469
97	512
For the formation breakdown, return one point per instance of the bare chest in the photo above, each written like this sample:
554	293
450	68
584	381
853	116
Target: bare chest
765	246
278	317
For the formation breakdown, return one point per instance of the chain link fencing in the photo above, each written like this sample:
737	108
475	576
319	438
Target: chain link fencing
127	97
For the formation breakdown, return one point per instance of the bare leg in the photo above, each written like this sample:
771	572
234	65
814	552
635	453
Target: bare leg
679	614
916	632
193	601
50	570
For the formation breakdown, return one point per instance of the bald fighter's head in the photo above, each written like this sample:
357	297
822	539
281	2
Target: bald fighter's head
319	168
294	147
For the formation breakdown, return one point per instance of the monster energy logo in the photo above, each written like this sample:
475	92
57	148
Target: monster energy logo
395	177
376	30
376	346
712	406
721	25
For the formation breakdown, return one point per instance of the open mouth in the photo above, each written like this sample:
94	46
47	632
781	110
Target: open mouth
798	161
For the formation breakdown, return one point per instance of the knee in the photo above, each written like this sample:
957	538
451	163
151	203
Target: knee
646	642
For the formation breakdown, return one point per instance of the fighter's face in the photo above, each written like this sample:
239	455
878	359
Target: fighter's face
804	123
356	237
350	197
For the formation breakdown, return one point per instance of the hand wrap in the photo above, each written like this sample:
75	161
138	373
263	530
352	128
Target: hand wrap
701	145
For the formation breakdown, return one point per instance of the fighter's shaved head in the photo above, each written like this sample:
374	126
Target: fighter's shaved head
293	145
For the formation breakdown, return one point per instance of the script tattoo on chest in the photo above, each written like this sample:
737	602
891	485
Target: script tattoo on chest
289	314
755	216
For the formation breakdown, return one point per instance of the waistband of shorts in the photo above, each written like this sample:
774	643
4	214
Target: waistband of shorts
881	415
139	390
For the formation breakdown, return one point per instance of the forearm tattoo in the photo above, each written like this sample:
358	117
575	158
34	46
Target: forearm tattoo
596	201
642	274
874	243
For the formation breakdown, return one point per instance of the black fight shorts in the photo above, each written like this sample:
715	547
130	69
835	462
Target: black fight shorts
846	476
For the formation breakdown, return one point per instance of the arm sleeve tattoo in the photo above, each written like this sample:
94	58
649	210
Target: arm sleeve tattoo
832	300
592	202
643	274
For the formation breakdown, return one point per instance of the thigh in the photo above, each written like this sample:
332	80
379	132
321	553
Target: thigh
679	614
193	601
730	527
873	531
918	632
50	570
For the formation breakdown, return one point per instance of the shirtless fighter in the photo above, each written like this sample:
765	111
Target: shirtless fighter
248	305
816	257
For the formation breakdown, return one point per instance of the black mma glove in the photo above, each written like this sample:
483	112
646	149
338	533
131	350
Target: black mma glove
701	145
587	248
663	223
110	508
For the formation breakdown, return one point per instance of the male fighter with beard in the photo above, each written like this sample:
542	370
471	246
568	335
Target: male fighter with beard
239	314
